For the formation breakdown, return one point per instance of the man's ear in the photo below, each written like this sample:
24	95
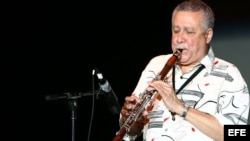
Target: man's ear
209	35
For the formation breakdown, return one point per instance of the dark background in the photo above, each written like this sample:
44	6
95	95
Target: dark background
51	47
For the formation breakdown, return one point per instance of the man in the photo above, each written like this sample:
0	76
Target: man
197	110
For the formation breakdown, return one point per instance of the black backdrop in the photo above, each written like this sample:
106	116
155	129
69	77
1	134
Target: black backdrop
52	47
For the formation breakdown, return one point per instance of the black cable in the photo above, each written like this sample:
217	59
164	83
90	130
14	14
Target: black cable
93	104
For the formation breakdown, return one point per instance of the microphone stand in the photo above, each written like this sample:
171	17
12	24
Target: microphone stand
72	103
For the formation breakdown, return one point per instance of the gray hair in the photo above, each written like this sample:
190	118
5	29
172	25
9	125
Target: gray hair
198	5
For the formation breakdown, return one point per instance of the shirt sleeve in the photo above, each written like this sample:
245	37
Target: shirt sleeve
233	101
150	72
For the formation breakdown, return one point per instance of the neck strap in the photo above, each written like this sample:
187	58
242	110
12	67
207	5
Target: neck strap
188	80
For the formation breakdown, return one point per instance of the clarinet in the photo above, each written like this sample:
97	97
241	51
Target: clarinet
145	97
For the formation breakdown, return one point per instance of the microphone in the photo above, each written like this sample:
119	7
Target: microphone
109	95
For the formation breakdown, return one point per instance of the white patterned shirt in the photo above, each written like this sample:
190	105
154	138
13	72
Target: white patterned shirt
219	90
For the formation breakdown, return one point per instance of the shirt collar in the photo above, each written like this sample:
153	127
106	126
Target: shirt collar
208	60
